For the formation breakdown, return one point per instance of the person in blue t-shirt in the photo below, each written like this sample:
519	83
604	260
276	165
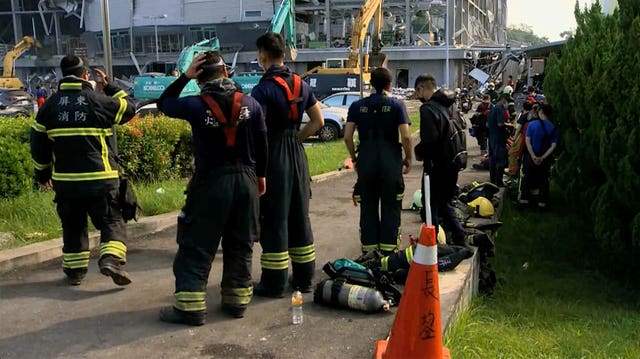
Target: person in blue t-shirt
541	141
380	187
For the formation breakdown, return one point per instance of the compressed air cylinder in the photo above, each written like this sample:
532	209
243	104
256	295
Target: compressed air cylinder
339	294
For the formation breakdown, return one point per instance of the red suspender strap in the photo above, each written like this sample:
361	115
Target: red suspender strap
292	96
229	127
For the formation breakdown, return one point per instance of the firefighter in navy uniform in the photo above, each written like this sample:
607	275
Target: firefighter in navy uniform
285	226
380	188
73	145
222	204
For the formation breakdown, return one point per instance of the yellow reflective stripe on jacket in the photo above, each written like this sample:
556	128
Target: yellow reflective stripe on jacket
75	260
105	154
384	263
275	261
302	255
121	110
40	166
80	131
399	197
71	86
408	254
190	301
38	127
84	176
369	247
115	248
120	94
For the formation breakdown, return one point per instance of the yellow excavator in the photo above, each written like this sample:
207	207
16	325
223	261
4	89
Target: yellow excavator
9	79
344	74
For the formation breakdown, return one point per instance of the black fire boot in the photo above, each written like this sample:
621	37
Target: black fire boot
261	291
177	316
114	267
75	276
233	311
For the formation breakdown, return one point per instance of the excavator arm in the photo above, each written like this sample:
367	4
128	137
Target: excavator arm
285	18
16	51
371	9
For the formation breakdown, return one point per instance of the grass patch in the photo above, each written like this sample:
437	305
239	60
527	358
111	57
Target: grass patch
560	307
32	217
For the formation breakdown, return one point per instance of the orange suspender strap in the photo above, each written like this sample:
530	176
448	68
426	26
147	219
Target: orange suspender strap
229	127
292	96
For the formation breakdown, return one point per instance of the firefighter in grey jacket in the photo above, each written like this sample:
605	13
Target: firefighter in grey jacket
73	146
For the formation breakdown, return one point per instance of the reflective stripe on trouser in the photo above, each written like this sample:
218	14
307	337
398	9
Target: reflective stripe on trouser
239	297
75	260
221	205
285	224
105	215
114	248
190	301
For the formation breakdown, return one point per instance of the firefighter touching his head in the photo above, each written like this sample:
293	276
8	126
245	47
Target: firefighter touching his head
380	188
285	226
73	145
230	142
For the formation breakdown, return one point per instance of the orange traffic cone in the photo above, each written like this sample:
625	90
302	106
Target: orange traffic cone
417	330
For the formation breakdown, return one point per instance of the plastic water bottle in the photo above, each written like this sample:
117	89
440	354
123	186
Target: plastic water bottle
296	308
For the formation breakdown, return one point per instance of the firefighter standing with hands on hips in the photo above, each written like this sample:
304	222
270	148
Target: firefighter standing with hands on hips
73	146
380	186
285	225
229	138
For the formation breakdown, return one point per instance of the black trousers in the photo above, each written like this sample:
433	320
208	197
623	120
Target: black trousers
105	215
498	158
221	205
442	192
284	215
534	177
381	190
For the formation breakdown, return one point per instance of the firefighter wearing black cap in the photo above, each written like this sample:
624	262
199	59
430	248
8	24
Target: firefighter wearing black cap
73	145
285	226
229	138
380	188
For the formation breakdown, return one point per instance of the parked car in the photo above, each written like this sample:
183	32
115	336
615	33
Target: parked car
17	98
334	120
143	109
12	111
342	99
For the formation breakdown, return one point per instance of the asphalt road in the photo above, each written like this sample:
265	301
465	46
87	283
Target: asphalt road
42	317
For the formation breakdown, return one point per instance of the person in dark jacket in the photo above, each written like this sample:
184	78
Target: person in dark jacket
378	119
73	145
230	149
498	135
433	135
285	225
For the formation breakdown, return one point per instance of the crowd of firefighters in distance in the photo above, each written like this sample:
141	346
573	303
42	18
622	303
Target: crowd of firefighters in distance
251	174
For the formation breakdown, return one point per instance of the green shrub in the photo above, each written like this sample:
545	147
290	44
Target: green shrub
155	148
16	168
593	90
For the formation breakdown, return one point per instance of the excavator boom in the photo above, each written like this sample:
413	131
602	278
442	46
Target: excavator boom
9	79
371	9
285	18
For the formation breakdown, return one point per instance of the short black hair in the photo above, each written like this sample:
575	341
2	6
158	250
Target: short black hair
72	65
380	78
272	44
427	79
531	89
546	109
527	105
212	68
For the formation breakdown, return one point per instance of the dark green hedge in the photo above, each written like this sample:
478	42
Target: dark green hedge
595	88
150	149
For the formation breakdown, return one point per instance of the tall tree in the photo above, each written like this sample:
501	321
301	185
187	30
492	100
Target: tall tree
523	34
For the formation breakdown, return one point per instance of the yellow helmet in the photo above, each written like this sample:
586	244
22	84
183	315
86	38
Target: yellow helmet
483	207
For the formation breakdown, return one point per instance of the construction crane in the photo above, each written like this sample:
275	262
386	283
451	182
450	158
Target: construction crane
344	74
9	79
283	19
